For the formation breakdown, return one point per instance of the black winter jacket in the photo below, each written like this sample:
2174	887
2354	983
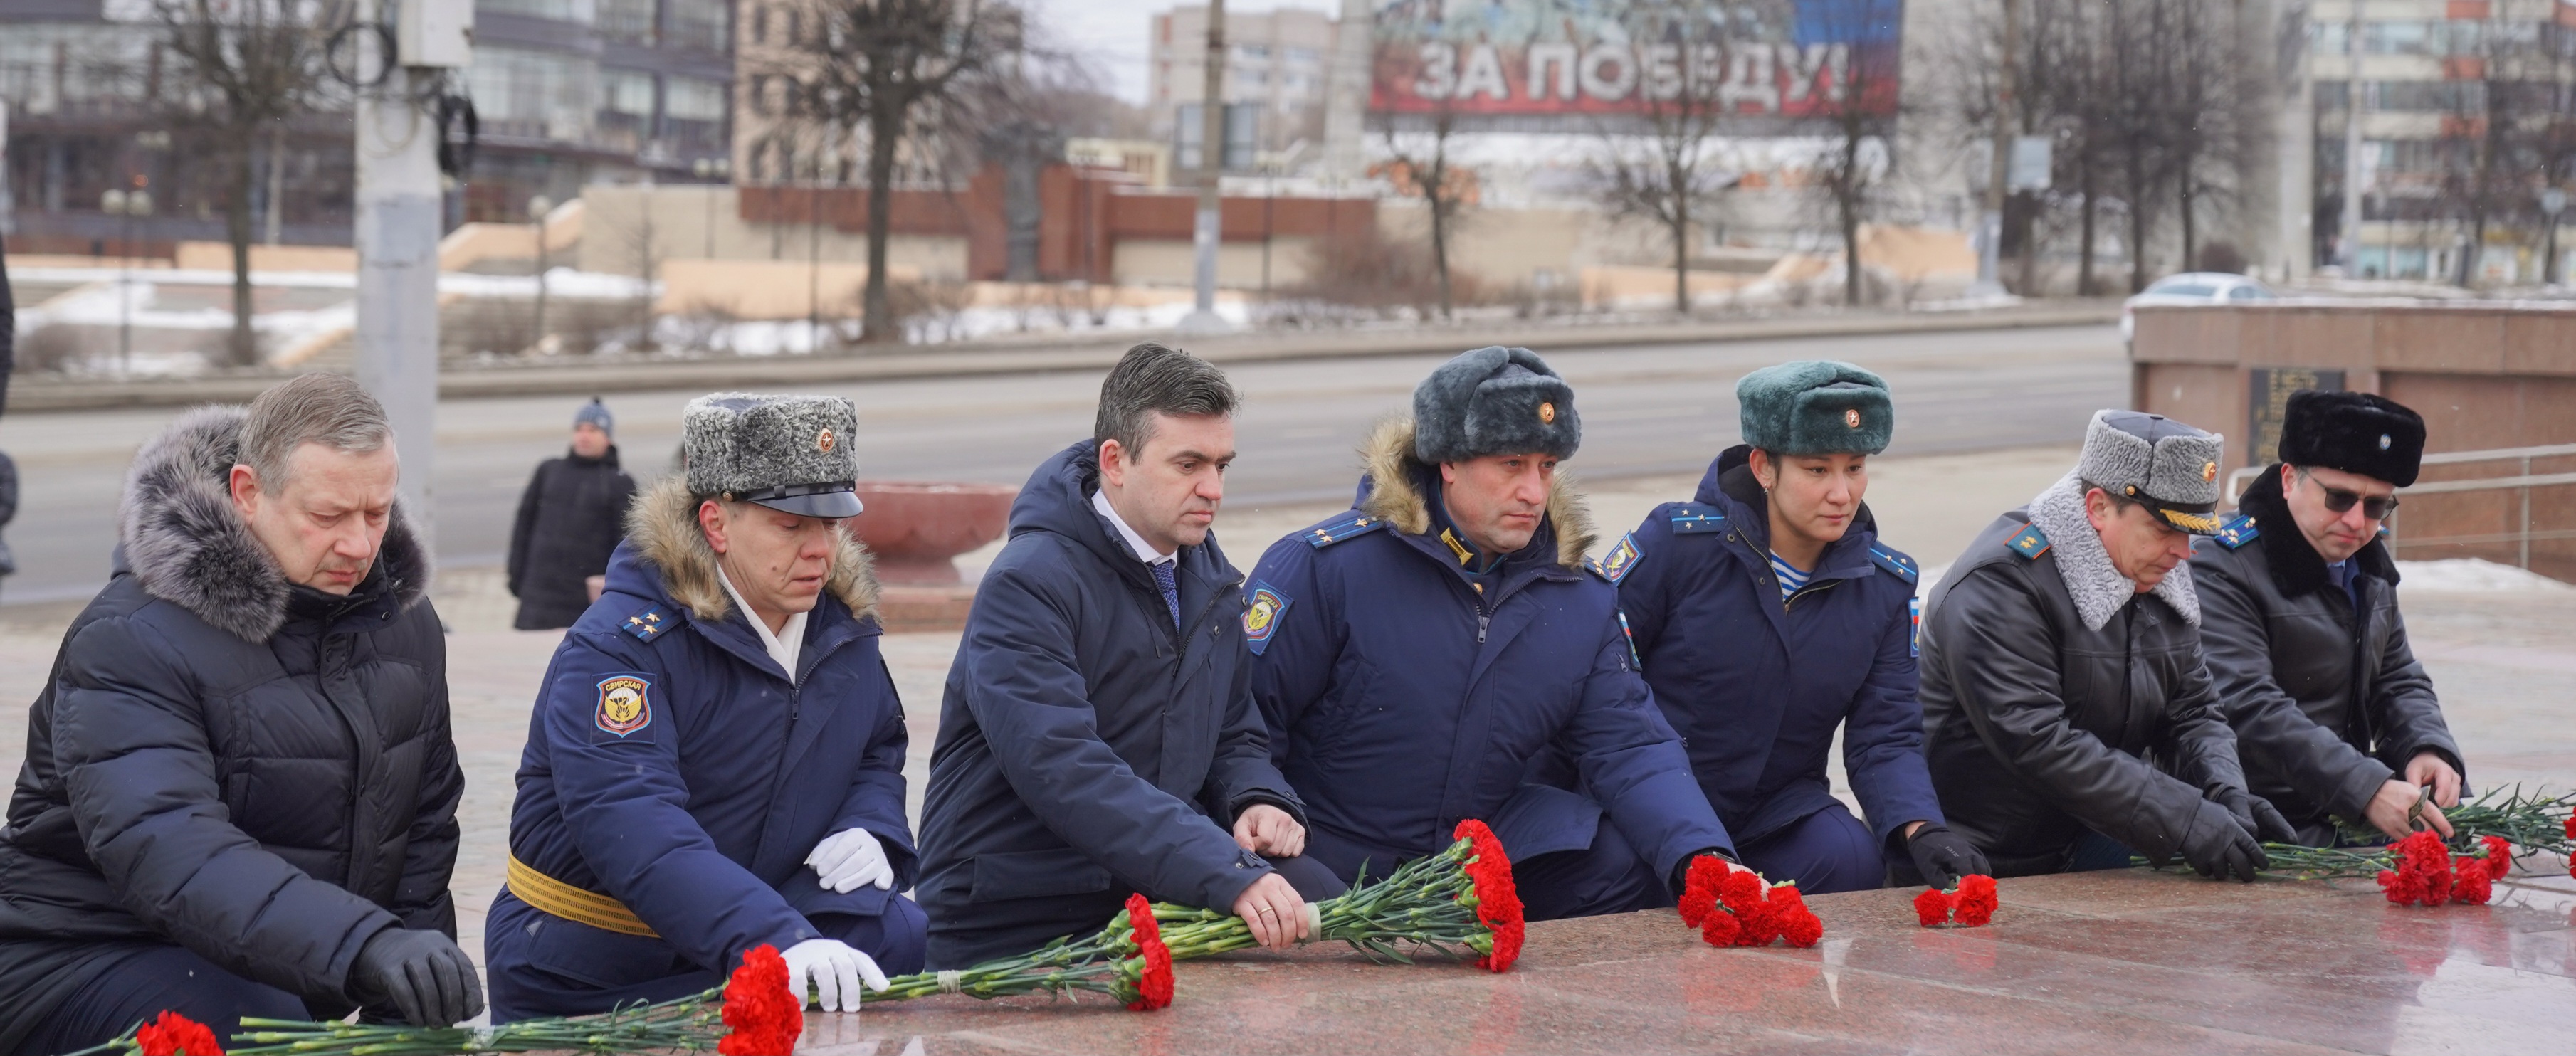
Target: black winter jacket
1086	748
570	519
2055	699
2326	709
258	772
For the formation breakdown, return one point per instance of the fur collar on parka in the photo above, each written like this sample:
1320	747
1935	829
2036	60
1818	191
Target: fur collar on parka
2096	585
663	525
2293	563
1395	498
187	545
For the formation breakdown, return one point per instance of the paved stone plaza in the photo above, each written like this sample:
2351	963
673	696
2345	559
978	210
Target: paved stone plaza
2108	962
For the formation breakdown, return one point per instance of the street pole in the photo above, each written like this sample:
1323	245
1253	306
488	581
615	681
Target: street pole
1990	222
2552	202
397	241
2353	94
539	208
1207	232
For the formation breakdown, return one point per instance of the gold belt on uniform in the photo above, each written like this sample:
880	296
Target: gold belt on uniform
557	898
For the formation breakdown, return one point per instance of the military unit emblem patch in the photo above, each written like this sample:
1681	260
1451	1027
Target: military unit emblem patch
625	704
1621	558
1914	612
1261	616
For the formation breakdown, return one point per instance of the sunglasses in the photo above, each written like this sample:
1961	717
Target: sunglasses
2376	507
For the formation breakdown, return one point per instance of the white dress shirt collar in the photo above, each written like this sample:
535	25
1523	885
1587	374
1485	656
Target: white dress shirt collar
1145	551
783	646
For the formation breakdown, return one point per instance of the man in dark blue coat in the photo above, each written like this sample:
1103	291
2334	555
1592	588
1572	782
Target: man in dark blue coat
1442	652
716	762
1098	736
1768	614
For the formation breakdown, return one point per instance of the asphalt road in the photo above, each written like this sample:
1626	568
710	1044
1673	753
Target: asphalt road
1646	410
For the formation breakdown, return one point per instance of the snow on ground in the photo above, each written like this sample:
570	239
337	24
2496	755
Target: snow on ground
2472	574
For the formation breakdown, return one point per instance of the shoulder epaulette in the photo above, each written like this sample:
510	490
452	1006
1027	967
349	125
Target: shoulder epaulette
648	624
1615	565
2030	542
1902	566
1357	524
1691	518
2237	532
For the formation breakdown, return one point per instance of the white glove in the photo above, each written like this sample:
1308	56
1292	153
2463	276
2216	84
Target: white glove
835	969
849	858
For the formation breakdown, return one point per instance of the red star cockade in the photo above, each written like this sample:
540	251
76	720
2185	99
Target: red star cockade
1498	902
763	1010
176	1035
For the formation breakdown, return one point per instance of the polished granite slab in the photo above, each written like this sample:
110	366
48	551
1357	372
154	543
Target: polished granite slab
2131	961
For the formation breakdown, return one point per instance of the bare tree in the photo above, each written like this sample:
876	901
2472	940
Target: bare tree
1662	166
893	73
1419	166
251	65
1856	110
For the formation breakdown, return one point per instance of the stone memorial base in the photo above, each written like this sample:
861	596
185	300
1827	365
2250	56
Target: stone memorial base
2130	961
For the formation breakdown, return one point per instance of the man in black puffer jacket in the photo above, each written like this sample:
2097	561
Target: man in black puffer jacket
2067	716
2333	716
570	520
239	797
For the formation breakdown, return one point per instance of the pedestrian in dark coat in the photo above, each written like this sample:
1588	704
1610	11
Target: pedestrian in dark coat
2061	654
2333	716
239	795
1443	652
1769	614
697	781
1098	736
570	518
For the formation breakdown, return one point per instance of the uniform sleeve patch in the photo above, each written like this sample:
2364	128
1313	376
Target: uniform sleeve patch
1897	563
2240	531
1620	559
625	704
2030	542
1692	518
1261	613
1631	635
1914	614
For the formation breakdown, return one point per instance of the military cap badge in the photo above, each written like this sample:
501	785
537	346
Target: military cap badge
1547	413
823	441
1851	417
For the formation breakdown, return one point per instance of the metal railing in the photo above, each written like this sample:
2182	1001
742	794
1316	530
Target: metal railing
2525	480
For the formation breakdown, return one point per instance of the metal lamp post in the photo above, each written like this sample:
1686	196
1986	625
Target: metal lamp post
2552	202
130	205
538	209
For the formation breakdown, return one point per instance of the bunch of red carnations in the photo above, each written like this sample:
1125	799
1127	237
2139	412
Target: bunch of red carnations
171	1034
1735	906
1969	905
1459	903
2428	874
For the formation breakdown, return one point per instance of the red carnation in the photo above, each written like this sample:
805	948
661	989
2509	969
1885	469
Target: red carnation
1154	986
2571	826
1720	928
1140	916
2402	888
2499	856
1798	924
2471	886
176	1035
2426	863
1760	924
1699	888
1498	902
1977	900
764	1012
1932	908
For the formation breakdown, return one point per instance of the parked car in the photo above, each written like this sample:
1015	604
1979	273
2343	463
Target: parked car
2192	287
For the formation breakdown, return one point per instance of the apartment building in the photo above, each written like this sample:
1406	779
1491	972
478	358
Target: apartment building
1276	61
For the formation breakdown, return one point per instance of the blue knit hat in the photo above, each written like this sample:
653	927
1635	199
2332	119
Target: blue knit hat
595	413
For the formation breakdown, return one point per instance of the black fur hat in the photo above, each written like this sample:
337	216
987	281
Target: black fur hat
2356	432
1494	401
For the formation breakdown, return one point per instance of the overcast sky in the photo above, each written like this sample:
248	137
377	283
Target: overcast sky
1112	32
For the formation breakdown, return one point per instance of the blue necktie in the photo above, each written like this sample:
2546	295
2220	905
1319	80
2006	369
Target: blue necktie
1171	589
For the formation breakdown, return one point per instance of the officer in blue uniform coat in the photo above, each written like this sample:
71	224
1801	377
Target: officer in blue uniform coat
1444	651
716	762
1768	614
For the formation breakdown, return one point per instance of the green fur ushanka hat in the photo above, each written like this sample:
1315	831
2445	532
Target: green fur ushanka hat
1815	407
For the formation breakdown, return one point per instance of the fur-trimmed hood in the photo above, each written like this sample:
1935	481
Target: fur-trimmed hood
2091	579
663	528
2293	563
186	545
1394	497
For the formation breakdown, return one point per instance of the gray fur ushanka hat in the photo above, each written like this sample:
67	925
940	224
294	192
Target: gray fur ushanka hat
1494	401
2165	465
789	453
1815	407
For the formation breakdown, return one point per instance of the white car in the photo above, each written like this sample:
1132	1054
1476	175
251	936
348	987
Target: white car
2192	287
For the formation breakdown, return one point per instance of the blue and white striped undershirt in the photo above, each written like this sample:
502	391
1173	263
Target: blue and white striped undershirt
1790	578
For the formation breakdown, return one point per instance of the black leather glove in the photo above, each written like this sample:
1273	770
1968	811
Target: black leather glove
2254	813
1943	856
2219	847
421	973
